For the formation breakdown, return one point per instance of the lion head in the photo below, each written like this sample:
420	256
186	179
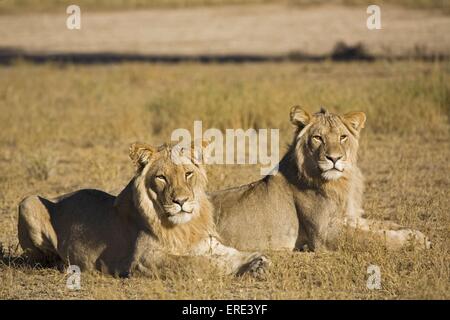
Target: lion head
175	188
169	191
326	144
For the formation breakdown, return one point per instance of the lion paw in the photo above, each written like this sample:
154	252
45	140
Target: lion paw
404	237
256	266
419	238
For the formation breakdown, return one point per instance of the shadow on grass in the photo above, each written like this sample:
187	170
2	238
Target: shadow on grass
341	52
9	256
12	258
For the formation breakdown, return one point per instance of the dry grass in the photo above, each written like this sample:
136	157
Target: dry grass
69	127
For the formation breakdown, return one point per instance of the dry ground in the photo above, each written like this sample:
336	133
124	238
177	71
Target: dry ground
69	127
27	6
276	28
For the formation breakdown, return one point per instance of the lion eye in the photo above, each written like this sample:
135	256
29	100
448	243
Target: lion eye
317	138
343	137
161	177
189	174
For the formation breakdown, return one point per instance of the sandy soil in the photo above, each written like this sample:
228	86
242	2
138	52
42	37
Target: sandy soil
258	29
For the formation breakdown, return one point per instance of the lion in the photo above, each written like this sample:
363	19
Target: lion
315	195
162	213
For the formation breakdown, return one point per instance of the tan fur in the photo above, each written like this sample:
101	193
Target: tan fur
184	236
316	194
163	212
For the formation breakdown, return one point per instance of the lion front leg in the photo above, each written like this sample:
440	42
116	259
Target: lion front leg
230	260
394	235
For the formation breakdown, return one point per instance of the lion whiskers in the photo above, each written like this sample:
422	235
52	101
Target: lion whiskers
181	214
172	208
331	174
180	218
332	171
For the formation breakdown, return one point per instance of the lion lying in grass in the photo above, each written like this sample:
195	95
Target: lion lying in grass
162	213
315	195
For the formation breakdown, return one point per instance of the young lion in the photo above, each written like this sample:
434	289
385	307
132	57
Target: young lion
316	193
162	213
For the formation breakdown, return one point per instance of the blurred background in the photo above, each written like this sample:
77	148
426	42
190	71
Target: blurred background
71	102
174	30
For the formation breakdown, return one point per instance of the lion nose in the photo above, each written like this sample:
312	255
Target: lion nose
180	201
333	158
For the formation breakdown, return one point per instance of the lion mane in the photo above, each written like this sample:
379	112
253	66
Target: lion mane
315	195
162	213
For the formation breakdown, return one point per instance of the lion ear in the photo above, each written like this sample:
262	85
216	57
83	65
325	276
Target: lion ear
299	117
141	153
356	119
